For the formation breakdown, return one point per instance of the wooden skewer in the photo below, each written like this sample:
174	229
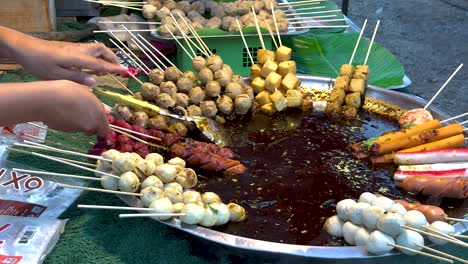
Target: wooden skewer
131	58
122	2
55	143
302	2
57	174
318	21
121	84
455	117
258	28
305	18
123	6
137	42
89	206
271	35
459	236
134	4
435	231
313	13
135	138
458	219
443	86
135	78
463	244
80	162
130	22
185	37
442	253
420	253
295	5
121	30
180	44
306	27
357	42
159	52
149	215
140	64
34	145
62	133
371	42
306	8
197	38
245	42
276	24
201	39
136	133
97	189
61	161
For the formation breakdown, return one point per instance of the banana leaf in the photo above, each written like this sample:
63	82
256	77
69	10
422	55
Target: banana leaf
323	55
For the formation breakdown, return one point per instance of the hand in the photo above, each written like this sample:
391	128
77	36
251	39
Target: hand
71	107
53	60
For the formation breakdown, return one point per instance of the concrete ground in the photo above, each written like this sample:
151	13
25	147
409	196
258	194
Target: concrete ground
429	37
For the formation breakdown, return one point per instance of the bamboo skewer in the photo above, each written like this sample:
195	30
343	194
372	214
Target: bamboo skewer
245	42
142	65
442	253
437	232
121	84
306	8
317	21
371	42
136	133
306	27
80	162
459	236
420	252
258	28
463	244
180	44
302	2
136	138
130	57
34	145
55	143
149	215
271	35
62	133
57	174
159	52
187	39
305	18
197	38
61	161
97	189
313	13
458	219
276	24
117	5
443	86
135	78
357	42
121	30
130	22
455	117
90	206
143	48
296	5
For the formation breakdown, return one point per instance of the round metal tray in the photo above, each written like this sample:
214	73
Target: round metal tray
302	253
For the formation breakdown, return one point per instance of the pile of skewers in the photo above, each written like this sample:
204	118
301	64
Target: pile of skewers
381	224
164	189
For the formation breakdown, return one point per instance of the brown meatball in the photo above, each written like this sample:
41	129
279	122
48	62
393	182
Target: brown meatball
172	74
233	90
179	129
213	89
156	76
333	109
214	62
354	99
249	91
349	112
124	112
141	118
184	85
205	75
238	79
138	96
208	108
337	96
225	104
165	101
198	63
196	95
223	77
191	76
149	91
242	104
194	110
158	122
181	99
168	87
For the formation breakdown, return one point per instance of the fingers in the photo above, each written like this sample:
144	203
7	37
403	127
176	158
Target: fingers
76	76
94	64
100	50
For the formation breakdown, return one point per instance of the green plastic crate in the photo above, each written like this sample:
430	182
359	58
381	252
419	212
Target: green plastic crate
231	49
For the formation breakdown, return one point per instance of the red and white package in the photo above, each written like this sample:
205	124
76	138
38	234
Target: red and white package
27	240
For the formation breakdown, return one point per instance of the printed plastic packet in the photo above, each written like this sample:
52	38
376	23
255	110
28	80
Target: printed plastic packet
27	240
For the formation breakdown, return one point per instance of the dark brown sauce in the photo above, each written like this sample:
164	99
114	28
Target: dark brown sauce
298	166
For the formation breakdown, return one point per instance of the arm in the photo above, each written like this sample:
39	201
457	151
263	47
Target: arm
54	60
61	105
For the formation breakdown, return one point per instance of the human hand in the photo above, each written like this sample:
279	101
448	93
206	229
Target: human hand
54	60
71	107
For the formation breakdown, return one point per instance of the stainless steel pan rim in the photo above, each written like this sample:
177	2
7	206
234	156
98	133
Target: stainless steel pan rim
316	252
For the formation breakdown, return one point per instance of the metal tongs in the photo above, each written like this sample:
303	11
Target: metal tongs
207	126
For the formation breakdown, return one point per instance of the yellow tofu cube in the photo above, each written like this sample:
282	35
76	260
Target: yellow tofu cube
286	67
264	55
283	53
342	83
294	98
269	66
357	85
258	84
263	98
268	108
347	70
273	82
290	81
279	101
255	71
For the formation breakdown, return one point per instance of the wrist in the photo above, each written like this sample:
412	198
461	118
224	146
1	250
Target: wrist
12	42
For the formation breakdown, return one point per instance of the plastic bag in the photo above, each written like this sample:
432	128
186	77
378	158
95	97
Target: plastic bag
26	240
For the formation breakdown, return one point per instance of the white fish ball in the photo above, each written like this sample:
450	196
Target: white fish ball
173	194
147	167
334	226
377	243
151	194
174	185
152	181
342	208
166	172
123	164
441	227
103	166
390	223
237	212
210	197
129	182
222	213
177	161
109	183
191	197
209	218
383	202
110	154
397	208
367	197
162	206
355	212
409	239
371	215
193	214
415	219
362	235
177	207
156	158
349	232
